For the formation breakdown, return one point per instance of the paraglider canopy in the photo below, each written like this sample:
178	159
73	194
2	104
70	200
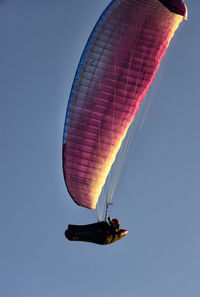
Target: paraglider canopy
116	69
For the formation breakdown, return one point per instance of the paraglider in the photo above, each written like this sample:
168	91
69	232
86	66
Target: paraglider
116	69
101	232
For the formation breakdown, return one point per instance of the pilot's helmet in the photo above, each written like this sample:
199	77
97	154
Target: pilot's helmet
116	224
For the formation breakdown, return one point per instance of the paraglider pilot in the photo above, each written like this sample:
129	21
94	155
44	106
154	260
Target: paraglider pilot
100	233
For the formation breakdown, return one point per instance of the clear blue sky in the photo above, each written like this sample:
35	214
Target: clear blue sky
158	198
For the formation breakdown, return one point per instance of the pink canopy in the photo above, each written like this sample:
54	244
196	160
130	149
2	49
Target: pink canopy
116	69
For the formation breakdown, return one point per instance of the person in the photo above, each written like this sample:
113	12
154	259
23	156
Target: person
100	233
114	223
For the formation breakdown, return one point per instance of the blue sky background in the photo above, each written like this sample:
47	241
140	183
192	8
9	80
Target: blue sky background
158	197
